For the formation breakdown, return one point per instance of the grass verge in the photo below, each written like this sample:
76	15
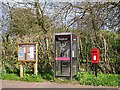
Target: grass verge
85	78
27	77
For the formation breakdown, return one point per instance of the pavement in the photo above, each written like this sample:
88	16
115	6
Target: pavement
47	84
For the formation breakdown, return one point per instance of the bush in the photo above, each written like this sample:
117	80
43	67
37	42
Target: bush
48	75
32	78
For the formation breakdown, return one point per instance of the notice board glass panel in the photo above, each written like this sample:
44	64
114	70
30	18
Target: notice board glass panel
22	52
31	52
74	65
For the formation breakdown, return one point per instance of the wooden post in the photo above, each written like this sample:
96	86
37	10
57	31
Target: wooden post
35	68
35	65
21	70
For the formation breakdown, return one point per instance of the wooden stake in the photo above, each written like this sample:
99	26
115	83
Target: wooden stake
35	65
21	70
35	68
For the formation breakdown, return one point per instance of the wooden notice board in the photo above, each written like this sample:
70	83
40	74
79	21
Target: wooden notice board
28	52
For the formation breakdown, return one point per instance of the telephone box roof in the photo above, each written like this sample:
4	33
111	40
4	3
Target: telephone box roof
65	33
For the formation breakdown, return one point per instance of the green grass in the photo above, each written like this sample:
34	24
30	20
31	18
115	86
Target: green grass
85	78
26	77
6	76
32	78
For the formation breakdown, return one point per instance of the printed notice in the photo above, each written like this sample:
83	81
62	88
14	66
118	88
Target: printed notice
21	54
31	52
73	55
94	57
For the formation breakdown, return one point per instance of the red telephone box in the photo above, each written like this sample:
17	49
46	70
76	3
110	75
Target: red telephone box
95	55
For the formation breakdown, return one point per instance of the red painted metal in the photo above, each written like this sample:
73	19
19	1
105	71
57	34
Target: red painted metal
95	55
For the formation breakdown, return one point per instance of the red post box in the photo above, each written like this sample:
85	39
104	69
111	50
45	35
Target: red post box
95	55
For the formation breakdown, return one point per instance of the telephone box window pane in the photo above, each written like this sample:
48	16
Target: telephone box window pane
62	46
74	47
62	68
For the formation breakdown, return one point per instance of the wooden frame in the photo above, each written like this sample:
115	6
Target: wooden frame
34	43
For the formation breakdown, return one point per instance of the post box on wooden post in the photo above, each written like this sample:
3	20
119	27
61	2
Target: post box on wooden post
95	58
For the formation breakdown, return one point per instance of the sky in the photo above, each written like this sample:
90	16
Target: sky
63	0
12	1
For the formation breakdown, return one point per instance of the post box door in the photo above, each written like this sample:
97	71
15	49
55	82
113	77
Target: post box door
95	55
